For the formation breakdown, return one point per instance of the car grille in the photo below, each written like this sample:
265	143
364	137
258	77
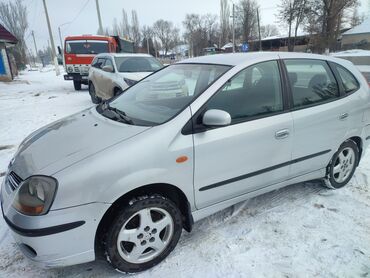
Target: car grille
13	180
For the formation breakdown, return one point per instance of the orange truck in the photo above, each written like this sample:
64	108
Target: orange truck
79	51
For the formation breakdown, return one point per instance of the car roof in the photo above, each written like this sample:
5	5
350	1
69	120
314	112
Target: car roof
125	54
234	59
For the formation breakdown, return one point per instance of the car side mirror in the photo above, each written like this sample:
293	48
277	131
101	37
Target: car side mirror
108	69
216	118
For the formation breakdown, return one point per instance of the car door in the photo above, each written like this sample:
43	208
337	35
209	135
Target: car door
255	150
107	79
98	75
320	116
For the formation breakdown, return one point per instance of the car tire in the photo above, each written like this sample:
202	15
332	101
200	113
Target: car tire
143	234
94	98
342	165
77	85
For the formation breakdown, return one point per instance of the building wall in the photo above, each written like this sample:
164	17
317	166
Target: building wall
7	76
356	41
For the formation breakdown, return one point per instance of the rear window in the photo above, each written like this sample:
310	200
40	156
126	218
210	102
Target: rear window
86	47
137	64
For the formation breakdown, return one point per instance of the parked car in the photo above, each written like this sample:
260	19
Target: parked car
360	58
112	73
125	177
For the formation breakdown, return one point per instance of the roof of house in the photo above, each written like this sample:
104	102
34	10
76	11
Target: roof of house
364	27
6	36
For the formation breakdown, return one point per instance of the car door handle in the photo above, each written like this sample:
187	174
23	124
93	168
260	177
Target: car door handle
281	134
343	116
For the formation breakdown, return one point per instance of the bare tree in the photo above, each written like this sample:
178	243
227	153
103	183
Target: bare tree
13	15
148	33
166	33
356	19
247	19
292	13
201	31
224	22
125	26
269	30
116	28
135	29
327	17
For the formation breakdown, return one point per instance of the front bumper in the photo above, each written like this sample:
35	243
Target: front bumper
60	238
75	77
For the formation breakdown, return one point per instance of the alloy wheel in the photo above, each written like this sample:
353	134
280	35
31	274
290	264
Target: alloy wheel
343	165
145	235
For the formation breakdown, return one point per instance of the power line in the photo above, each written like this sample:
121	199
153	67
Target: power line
78	14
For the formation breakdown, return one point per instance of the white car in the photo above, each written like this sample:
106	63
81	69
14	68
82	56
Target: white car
123	179
111	73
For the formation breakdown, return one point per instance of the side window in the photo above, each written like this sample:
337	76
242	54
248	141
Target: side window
349	82
99	64
94	61
255	91
108	62
311	82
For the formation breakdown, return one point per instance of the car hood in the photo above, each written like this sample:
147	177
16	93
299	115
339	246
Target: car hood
67	141
134	75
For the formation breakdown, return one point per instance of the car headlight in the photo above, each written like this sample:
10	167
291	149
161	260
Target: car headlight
69	69
130	82
35	195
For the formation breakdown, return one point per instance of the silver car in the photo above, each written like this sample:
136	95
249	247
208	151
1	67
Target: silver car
123	179
112	73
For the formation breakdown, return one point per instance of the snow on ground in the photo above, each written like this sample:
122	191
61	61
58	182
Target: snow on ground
303	230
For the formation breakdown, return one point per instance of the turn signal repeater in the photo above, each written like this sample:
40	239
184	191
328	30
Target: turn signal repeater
181	159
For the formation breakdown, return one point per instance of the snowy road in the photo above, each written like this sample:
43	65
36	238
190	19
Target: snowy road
303	230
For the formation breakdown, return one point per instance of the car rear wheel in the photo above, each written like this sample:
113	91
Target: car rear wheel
94	98
77	85
342	165
143	234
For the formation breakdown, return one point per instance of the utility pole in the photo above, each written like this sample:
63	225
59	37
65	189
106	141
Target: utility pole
99	17
34	42
259	30
233	28
61	41
52	41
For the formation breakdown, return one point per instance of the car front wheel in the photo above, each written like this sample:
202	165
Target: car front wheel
94	98
342	165
77	85
143	234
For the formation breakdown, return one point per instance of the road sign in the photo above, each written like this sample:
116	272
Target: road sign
245	47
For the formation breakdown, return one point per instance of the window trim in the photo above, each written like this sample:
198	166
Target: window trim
192	127
334	66
292	108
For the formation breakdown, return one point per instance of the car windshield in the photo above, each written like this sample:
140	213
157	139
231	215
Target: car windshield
137	64
86	47
162	95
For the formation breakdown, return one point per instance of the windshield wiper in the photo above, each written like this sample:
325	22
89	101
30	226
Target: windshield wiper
115	114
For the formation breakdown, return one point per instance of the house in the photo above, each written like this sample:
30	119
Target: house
7	68
357	37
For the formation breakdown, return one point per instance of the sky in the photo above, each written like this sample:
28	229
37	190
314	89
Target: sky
80	17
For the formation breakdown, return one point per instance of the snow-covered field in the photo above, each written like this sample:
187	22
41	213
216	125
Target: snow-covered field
303	230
